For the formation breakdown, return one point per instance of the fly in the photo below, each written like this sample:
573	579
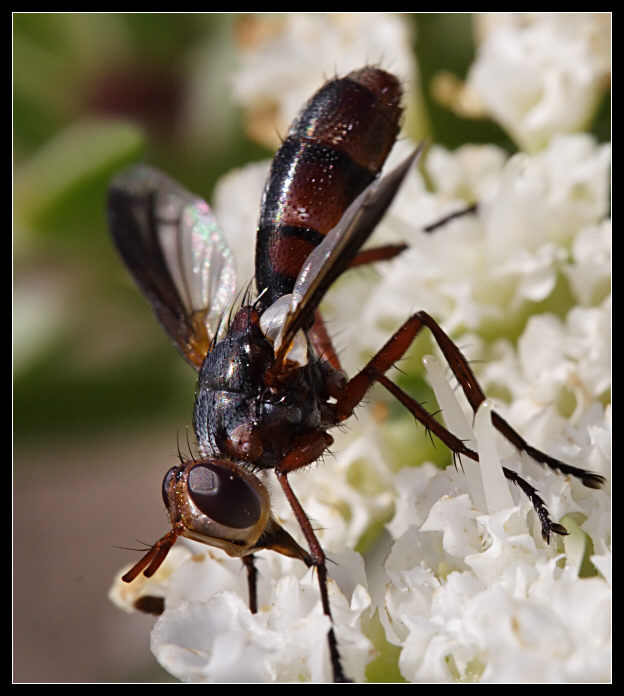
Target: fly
270	385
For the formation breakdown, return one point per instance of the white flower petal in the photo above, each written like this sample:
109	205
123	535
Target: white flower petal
543	74
208	634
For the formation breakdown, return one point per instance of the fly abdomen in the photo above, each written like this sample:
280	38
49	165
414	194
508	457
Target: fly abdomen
334	149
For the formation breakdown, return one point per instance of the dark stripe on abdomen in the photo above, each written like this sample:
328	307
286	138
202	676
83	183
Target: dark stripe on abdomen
335	148
310	187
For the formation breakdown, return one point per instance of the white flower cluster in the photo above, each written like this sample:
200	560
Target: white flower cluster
506	613
474	594
208	634
484	272
542	74
471	592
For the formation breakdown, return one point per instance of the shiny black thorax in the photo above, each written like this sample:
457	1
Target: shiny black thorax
242	415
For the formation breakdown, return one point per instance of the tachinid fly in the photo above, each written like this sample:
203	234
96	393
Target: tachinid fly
270	385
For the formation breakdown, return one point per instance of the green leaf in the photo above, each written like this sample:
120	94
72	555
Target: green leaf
61	184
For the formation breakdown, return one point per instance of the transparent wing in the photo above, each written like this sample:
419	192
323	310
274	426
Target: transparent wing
173	246
341	244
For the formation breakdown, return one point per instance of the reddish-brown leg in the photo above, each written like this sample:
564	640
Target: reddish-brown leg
318	333
394	349
380	253
458	447
322	343
471	388
307	449
318	559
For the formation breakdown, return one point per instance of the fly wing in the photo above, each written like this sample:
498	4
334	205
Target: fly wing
173	247
341	244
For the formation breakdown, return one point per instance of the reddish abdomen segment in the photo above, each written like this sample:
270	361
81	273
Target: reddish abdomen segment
334	149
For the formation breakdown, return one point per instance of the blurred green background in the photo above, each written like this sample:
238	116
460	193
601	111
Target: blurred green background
99	394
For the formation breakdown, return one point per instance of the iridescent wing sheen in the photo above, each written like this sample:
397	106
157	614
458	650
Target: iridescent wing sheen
341	244
173	247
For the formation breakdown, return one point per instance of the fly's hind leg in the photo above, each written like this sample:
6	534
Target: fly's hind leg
458	447
394	349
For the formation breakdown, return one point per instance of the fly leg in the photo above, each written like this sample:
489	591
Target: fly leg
318	333
432	227
380	253
252	581
322	343
307	449
318	560
394	349
471	388
458	447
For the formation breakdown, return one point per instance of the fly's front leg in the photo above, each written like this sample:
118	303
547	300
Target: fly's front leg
252	582
307	448
318	560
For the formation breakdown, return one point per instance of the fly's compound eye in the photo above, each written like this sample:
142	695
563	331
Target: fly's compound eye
166	485
223	496
218	503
